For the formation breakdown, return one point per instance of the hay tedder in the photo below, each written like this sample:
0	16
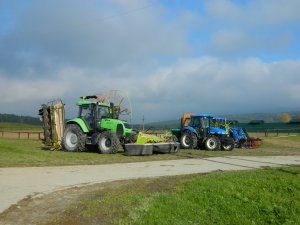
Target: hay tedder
98	125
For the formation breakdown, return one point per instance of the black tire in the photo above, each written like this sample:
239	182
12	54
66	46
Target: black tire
73	139
188	140
108	142
212	143
228	147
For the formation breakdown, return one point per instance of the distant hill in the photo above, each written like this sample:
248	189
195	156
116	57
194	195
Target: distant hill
11	118
163	125
241	118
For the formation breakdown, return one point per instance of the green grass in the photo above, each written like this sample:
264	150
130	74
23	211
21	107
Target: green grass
289	138
19	127
20	152
265	196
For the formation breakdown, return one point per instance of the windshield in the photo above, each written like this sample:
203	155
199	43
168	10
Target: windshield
195	122
85	111
198	121
103	112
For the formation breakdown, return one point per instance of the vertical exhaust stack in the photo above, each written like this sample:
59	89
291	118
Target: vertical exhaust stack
112	107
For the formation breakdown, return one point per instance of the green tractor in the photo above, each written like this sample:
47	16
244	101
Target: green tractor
97	124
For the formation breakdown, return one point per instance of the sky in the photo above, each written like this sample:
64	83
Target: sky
169	57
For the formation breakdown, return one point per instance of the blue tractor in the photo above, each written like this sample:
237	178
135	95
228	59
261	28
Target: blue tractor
199	132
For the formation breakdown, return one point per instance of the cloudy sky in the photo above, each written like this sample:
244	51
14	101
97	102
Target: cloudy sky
170	57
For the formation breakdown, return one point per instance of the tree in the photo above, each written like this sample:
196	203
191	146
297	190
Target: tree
298	116
285	117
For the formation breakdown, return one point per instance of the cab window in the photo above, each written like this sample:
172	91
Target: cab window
103	112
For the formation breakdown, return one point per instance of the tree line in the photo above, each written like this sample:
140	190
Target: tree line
11	118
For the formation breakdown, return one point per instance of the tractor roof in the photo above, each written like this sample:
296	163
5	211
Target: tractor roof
85	102
92	99
203	115
219	118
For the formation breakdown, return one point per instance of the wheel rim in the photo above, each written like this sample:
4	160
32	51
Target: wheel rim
211	143
105	144
186	140
71	139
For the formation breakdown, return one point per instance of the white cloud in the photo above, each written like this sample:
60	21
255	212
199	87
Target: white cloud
56	51
13	91
203	84
255	13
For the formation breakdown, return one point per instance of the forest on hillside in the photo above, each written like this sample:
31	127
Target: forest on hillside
11	118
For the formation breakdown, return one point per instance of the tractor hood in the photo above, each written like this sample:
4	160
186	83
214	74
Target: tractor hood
214	130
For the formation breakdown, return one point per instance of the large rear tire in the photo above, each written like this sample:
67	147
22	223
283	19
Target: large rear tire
73	139
212	143
108	142
188	140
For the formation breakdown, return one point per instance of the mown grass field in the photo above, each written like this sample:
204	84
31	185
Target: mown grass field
19	127
20	152
265	196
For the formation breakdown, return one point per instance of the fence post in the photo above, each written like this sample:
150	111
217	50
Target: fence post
27	135
19	135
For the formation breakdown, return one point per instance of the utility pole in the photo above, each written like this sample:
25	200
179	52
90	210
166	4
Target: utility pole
143	122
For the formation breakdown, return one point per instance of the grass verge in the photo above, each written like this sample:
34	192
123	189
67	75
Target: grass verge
21	152
266	196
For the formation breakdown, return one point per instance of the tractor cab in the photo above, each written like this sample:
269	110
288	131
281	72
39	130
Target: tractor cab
98	116
92	113
200	123
204	124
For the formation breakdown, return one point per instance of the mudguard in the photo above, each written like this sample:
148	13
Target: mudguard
192	129
80	123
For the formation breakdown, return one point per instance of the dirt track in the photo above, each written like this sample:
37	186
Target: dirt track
19	183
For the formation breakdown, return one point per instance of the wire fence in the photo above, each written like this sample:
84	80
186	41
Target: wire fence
277	131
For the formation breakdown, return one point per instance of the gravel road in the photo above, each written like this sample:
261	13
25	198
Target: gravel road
18	183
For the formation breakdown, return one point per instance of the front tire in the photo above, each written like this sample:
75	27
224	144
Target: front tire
228	147
212	143
73	139
108	143
188	140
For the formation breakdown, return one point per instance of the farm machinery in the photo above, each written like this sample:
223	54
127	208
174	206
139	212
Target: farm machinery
240	135
98	125
197	131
